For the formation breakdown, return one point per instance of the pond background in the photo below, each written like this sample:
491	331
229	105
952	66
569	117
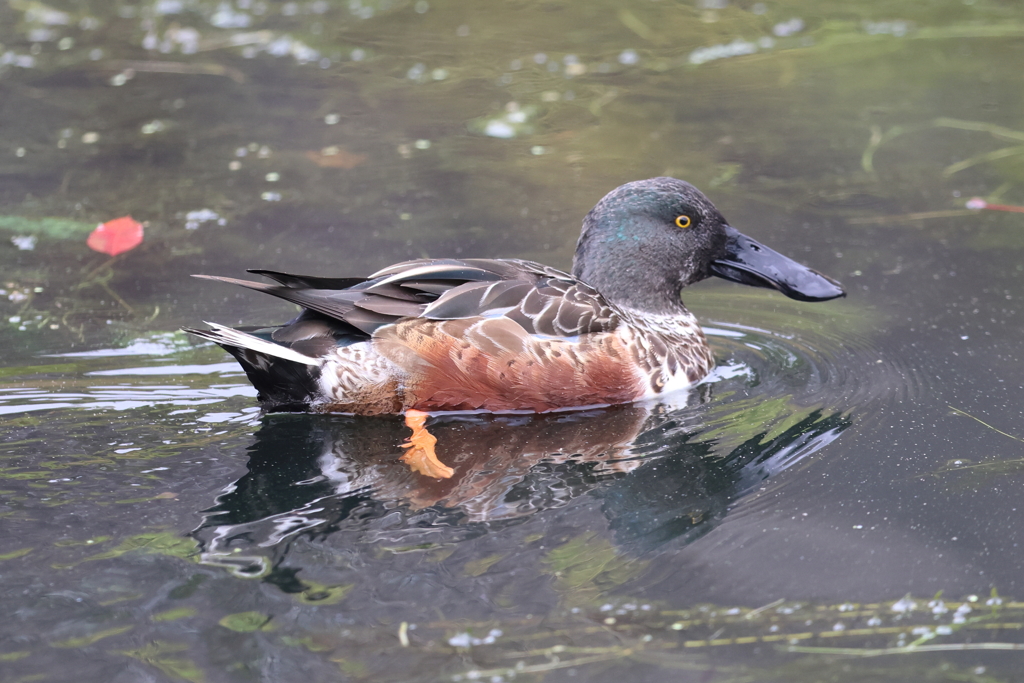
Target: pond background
839	502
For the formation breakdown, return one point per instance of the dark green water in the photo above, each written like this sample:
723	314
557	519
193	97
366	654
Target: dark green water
839	502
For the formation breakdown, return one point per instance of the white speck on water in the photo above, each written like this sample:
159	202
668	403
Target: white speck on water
464	640
14	59
24	242
736	48
416	72
460	639
271	196
628	57
422	144
904	605
499	129
193	219
152	127
787	28
227	17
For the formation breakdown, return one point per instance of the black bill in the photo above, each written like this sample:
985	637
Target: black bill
751	263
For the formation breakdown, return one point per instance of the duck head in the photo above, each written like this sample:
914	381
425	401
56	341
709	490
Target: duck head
646	240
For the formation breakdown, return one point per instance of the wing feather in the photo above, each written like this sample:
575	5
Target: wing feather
539	299
313	282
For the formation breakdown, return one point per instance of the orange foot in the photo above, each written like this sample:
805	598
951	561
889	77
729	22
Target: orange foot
421	457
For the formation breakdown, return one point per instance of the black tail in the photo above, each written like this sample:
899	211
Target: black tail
285	379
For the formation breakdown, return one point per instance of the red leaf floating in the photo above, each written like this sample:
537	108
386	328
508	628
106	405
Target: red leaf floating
116	236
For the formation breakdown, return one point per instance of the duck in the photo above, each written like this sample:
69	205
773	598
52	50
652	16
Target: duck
509	335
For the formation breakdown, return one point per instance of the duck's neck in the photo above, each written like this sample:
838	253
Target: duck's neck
628	276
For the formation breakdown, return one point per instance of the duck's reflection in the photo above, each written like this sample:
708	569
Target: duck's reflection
660	473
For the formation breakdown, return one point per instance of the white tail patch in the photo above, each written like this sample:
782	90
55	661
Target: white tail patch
232	337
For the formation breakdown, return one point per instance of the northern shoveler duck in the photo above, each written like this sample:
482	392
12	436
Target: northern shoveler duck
512	335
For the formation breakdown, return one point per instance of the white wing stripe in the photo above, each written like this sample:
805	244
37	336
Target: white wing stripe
247	341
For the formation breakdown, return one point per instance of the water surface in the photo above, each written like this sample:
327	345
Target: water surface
837	501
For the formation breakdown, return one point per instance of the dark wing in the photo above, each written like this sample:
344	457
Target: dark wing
290	280
540	299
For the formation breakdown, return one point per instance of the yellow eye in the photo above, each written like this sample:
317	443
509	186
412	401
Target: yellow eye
683	221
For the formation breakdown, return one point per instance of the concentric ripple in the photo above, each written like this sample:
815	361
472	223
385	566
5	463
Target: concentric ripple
823	355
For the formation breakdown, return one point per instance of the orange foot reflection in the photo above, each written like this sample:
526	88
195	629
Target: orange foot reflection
421	457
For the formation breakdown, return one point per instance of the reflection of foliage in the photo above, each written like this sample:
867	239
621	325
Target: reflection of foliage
975	472
753	418
53	228
95	637
164	657
878	138
158	543
588	566
246	622
317	594
175	614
